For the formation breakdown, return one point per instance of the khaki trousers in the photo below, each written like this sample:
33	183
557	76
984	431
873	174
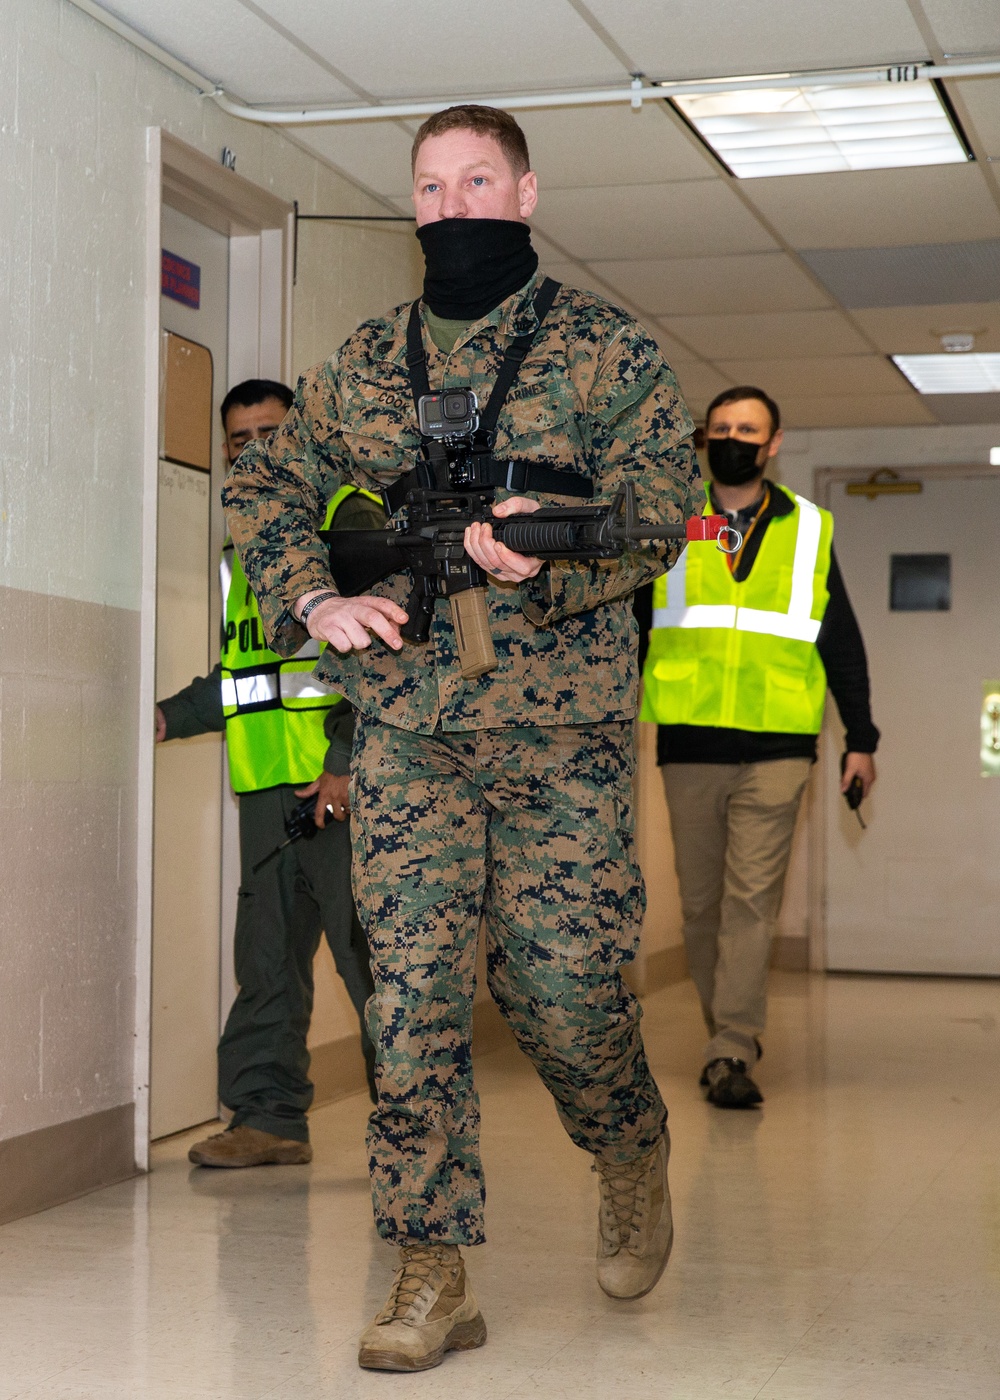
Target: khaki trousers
732	826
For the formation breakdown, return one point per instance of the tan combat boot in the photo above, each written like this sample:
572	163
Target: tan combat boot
249	1147
635	1228
430	1310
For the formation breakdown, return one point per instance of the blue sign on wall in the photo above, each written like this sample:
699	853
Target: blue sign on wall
180	279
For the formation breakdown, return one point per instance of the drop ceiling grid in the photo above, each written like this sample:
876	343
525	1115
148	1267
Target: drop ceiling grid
916	330
632	222
235	48
745	282
578	42
981	100
686	39
613	145
963	27
450	47
865	208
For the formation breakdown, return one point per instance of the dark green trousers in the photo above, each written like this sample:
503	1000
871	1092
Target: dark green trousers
282	911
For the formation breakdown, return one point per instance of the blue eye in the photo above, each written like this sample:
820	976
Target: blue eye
479	179
429	189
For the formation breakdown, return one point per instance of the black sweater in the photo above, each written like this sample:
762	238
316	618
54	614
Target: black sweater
841	650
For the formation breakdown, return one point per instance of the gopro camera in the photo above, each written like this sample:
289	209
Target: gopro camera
453	414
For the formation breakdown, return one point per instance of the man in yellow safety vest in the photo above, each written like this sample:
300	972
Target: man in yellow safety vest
287	737
741	651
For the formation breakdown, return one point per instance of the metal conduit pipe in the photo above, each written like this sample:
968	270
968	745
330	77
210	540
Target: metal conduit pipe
638	91
641	89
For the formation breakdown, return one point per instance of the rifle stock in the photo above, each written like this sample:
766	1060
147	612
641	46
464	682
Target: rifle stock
361	558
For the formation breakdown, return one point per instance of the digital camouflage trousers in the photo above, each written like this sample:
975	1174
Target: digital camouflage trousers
529	830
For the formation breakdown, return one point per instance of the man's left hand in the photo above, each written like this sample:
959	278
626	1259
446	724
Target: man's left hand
858	765
500	562
331	796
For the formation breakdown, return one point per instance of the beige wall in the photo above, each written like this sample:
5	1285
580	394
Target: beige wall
74	107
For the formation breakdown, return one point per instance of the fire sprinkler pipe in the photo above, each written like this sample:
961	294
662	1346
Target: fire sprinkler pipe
639	90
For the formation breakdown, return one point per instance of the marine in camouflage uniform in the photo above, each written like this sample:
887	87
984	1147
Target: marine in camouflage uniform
508	795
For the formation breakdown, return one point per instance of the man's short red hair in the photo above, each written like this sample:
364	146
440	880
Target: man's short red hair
484	121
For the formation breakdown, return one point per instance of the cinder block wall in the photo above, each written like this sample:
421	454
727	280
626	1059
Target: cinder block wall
74	107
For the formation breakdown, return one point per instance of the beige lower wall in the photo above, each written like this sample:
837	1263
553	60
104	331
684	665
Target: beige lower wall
68	744
52	1165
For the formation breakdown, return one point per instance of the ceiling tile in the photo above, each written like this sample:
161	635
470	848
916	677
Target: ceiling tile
235	48
699	385
396	48
689	39
917	330
981	97
964	26
650	221
824	375
865	208
675	352
612	145
964	408
862	411
574	274
697	286
925	275
375	154
781	334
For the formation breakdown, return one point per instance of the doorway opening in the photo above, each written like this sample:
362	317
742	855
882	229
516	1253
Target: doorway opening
222	250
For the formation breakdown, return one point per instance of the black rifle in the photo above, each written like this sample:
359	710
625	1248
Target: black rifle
427	536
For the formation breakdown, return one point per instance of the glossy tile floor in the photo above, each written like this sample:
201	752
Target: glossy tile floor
844	1242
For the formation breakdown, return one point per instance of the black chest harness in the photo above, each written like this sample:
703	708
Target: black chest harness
470	465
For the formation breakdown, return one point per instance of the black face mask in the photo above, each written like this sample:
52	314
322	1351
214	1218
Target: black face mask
733	462
474	264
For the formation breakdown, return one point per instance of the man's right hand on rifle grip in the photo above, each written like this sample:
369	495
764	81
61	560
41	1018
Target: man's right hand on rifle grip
347	623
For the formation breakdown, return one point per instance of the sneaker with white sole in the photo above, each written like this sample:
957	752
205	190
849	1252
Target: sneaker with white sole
635	1227
430	1311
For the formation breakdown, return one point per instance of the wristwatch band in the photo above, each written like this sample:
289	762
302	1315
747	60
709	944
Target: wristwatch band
314	603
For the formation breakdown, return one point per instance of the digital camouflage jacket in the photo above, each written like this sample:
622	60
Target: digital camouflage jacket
594	396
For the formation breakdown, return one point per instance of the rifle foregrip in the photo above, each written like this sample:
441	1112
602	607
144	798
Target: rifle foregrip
472	632
539	538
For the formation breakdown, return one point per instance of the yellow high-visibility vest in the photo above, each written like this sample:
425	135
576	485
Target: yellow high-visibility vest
274	709
743	655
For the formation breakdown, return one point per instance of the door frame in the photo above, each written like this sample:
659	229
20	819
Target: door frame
261	230
825	479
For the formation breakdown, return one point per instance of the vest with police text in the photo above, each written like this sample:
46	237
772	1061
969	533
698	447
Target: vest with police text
274	709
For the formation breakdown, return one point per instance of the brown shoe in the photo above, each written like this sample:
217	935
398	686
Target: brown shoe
636	1230
430	1310
249	1147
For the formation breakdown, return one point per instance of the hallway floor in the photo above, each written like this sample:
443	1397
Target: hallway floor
841	1244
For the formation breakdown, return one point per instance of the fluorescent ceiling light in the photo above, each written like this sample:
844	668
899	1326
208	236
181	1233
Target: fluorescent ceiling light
798	131
951	374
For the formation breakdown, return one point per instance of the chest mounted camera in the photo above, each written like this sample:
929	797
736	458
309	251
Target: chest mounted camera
450	415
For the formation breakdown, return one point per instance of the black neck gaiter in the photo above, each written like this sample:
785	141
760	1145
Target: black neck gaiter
473	264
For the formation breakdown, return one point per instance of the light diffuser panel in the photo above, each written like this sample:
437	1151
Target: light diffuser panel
797	131
951	374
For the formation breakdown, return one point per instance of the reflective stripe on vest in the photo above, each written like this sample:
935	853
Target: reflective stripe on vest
274	709
797	624
730	664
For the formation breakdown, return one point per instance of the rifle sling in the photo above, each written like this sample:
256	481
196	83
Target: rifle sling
484	469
